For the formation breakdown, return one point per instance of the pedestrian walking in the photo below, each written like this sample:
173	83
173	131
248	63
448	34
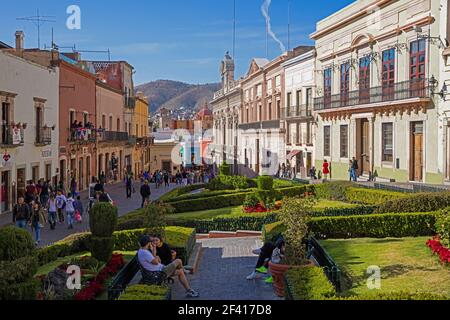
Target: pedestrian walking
325	169
128	185
78	204
37	221
52	210
166	179
145	193
45	193
21	213
60	205
354	169
70	211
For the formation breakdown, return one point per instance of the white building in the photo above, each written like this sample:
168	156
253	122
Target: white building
29	95
298	112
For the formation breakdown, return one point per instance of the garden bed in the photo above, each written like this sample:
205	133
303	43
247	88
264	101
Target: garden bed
406	265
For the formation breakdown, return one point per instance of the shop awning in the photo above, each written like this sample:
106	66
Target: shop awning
293	154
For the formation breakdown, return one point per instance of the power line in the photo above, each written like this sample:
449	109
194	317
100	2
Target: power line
38	21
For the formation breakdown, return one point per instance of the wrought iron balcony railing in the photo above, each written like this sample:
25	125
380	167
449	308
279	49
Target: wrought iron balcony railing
270	124
82	135
43	136
11	137
112	136
410	89
302	111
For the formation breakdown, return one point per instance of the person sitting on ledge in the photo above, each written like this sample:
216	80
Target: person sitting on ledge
265	255
149	260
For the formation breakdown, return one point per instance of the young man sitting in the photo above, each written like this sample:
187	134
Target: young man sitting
149	260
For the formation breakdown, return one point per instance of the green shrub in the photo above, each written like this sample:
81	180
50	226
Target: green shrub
265	183
103	219
268	197
254	222
209	194
345	211
251	200
155	217
101	248
279	183
295	191
371	196
394	225
180	239
308	283
180	191
130	224
225	170
225	182
15	243
20	291
335	190
231	200
16	271
423	202
443	226
144	293
399	295
272	231
73	244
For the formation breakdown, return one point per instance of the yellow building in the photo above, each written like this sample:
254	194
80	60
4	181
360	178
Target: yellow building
140	131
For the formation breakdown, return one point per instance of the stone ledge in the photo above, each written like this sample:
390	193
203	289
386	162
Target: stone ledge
228	234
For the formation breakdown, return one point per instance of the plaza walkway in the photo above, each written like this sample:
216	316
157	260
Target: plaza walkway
117	193
224	265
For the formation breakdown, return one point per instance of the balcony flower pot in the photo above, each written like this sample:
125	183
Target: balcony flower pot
278	270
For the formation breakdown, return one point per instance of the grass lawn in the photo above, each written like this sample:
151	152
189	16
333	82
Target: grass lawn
407	264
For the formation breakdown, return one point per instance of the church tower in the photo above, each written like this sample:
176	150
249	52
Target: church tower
227	72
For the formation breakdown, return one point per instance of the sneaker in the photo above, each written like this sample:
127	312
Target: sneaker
254	275
269	280
192	294
262	269
256	252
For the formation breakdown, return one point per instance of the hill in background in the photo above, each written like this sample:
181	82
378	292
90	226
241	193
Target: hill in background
174	95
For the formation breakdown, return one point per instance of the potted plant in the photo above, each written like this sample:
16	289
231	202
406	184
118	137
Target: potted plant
295	215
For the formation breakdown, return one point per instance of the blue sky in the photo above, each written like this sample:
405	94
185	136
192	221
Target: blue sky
169	39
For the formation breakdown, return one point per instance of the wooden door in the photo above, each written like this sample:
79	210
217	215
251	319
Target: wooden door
416	171
365	150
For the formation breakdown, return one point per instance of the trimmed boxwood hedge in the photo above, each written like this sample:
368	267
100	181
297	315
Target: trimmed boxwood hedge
182	239
208	194
350	211
233	224
141	292
395	295
371	196
180	191
308	283
395	225
422	202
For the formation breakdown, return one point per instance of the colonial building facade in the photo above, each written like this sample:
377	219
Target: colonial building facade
375	70
298	113
29	100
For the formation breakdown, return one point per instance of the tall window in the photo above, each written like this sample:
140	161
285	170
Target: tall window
39	120
344	141
270	110
387	139
345	82
110	123
259	90
278	82
364	80
298	100
85	118
326	141
72	117
309	101
388	74
269	86
417	68
104	122
288	104
327	86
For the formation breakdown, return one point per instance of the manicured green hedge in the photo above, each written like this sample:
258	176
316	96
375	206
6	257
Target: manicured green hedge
20	270
208	194
443	226
308	283
271	231
23	291
335	190
182	239
371	196
395	225
350	211
141	292
247	223
265	183
180	191
296	191
216	202
423	202
15	243
399	295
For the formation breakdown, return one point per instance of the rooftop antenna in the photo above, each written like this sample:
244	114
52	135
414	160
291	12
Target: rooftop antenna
38	21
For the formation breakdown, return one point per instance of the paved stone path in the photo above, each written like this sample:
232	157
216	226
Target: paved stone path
117	193
224	265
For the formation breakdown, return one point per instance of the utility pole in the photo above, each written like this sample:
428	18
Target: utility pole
38	21
234	29
289	24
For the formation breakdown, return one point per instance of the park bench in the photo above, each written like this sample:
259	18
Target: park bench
128	273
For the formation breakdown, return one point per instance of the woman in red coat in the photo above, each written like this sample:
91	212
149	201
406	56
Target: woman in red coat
325	169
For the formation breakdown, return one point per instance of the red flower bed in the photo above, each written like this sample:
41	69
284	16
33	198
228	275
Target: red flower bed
95	287
259	208
436	246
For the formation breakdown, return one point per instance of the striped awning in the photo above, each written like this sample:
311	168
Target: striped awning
293	154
